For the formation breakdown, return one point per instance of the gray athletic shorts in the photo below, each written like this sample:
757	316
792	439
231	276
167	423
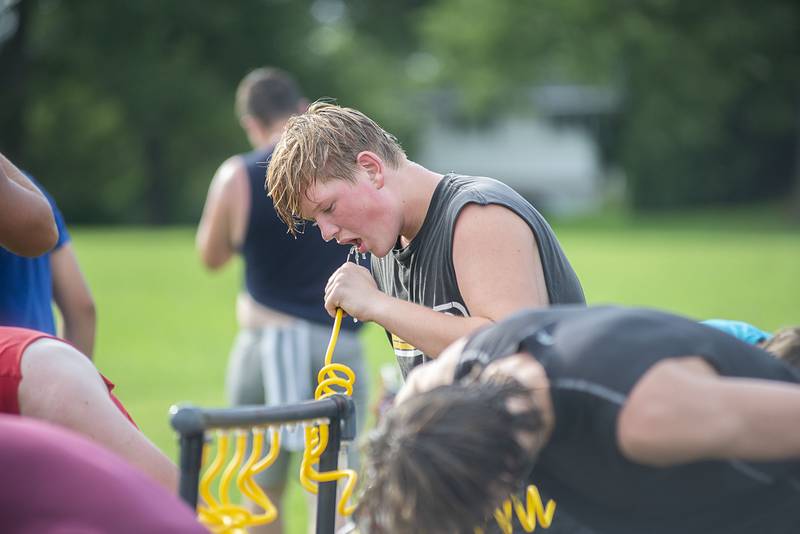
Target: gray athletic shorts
279	365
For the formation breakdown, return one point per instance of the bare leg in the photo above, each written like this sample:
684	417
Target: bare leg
62	386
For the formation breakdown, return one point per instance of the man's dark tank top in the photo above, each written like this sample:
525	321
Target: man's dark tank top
423	272
593	358
280	272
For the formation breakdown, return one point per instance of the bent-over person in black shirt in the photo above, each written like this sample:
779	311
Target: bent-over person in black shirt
632	420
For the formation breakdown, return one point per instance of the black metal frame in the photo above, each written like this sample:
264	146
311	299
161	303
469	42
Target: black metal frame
191	424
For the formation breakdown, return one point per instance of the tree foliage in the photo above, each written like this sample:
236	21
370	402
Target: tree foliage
124	109
710	90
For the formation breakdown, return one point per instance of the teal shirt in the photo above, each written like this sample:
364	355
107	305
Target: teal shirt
740	330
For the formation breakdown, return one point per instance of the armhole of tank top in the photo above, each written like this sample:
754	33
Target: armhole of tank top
249	191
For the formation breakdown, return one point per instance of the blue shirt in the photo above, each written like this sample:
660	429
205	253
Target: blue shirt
740	330
26	284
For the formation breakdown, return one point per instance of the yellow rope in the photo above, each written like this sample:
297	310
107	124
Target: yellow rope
528	514
316	437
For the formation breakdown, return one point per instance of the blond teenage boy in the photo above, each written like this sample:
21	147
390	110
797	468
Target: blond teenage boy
450	253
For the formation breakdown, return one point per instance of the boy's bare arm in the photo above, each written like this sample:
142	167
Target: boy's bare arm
497	263
498	271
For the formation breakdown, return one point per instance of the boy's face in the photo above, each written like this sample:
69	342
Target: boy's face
356	213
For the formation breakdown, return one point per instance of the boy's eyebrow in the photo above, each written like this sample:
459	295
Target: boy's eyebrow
315	208
314	205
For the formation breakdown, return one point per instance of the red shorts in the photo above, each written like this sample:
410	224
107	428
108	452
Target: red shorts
13	342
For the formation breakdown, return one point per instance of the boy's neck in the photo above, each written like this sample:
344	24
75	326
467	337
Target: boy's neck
415	187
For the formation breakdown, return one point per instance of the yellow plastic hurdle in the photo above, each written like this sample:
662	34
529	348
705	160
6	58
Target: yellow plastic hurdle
335	412
327	420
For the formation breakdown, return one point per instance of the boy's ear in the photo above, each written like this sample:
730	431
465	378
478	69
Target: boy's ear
247	122
373	164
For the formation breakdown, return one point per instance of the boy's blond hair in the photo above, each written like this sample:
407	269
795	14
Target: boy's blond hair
322	144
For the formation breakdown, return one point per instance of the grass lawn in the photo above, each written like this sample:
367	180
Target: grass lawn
165	325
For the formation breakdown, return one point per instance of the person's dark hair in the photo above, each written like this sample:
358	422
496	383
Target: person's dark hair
785	345
268	94
443	461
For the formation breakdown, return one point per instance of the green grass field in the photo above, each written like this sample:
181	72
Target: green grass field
165	325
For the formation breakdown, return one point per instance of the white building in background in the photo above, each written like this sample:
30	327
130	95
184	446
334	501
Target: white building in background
558	167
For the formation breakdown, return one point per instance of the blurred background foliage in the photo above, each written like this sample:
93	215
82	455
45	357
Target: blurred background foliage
124	109
710	91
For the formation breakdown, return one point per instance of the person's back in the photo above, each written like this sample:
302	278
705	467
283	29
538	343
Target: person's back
631	420
57	481
594	358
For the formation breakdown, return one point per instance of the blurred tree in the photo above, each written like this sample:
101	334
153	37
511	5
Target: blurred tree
135	99
13	28
368	48
710	89
124	109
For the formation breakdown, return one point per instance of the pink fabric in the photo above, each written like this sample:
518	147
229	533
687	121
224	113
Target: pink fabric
58	482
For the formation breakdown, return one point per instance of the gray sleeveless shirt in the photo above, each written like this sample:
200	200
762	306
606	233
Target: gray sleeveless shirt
423	272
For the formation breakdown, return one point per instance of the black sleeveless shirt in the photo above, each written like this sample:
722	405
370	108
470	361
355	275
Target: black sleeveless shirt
593	357
281	272
423	272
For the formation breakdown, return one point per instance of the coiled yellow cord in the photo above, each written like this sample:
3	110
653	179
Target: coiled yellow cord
221	515
316	437
528	514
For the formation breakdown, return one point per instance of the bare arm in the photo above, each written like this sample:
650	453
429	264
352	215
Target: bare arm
222	226
60	385
498	271
682	411
27	225
74	300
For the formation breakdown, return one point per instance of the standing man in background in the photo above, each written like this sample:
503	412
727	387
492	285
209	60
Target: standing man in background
284	328
29	285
